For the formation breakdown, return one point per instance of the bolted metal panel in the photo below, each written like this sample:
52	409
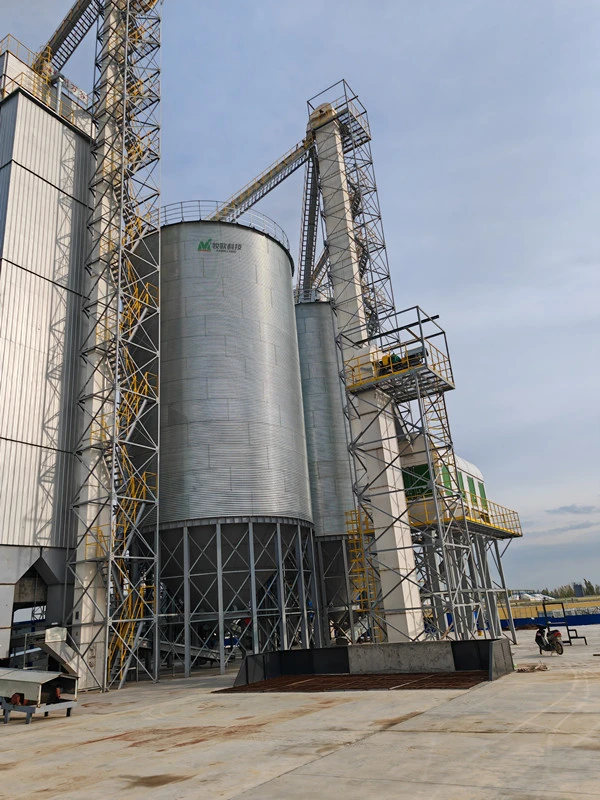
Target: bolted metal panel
232	427
328	457
11	66
42	248
37	353
4	187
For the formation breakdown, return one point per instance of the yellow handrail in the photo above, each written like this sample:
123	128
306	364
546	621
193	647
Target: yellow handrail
10	44
493	515
380	363
39	88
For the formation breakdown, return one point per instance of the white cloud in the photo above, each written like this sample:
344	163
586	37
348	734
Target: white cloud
574	509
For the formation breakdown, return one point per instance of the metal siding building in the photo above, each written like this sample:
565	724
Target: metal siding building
44	174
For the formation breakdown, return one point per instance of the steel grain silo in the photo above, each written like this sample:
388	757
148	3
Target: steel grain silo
235	513
328	458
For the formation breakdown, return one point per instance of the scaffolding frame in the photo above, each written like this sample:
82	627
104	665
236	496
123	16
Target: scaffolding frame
115	562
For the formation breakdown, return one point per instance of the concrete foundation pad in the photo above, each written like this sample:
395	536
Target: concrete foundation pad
401	657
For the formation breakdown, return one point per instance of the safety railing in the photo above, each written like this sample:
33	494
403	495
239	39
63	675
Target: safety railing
573	607
41	66
12	45
205	210
48	95
496	516
97	543
422	513
341	98
378	364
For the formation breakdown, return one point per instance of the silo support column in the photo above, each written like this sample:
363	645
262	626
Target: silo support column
187	633
281	592
253	604
221	610
348	590
318	603
302	590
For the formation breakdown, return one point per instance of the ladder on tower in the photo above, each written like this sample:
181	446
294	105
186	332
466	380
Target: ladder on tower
361	572
308	231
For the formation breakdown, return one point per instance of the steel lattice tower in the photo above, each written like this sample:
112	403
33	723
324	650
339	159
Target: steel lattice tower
115	561
416	570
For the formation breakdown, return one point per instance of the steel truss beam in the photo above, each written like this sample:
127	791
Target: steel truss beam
114	564
68	36
264	183
235	587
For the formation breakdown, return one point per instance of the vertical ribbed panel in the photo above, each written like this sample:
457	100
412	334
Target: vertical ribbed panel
45	229
51	150
36	349
328	457
8	120
4	187
42	254
232	428
35	491
13	67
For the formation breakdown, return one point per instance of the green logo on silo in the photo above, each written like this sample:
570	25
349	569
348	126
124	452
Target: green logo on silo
205	246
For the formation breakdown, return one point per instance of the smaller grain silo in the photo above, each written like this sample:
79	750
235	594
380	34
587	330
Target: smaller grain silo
328	460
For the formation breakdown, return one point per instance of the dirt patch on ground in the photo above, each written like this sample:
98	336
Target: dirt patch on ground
385	724
162	739
154	781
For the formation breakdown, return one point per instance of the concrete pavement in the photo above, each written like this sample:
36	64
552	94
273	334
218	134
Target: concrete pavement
526	737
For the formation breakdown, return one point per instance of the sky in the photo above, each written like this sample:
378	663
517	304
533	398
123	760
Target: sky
485	123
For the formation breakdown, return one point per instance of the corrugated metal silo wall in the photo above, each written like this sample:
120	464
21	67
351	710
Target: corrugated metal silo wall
232	427
44	175
328	457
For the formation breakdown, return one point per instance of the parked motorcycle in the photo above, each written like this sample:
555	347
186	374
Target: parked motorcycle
549	640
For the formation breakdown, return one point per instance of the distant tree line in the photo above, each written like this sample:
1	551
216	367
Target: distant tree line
568	590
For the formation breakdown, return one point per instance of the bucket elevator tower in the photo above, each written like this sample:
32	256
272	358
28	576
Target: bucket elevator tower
412	556
416	569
